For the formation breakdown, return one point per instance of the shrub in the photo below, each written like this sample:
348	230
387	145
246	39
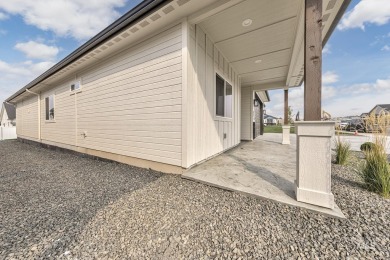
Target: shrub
343	151
367	146
375	171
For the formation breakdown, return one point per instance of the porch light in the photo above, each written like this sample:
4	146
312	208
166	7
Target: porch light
247	22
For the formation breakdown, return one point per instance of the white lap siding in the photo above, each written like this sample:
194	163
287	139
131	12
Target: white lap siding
27	118
129	103
205	134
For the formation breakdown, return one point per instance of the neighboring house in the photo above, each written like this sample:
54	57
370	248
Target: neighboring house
378	109
171	83
364	115
8	115
7	121
271	120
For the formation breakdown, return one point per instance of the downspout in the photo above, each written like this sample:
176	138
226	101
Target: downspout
39	113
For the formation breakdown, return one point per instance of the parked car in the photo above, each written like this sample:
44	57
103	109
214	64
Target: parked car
343	124
356	125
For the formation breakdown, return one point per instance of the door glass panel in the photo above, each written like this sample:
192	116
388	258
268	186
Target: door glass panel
219	87
229	100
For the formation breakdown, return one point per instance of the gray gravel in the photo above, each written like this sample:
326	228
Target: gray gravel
56	205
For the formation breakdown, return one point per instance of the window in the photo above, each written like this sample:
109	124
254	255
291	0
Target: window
49	104
224	97
75	86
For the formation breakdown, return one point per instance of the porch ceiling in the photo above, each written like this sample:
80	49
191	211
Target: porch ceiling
270	49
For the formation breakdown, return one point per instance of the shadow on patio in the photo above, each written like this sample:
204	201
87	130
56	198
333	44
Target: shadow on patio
263	168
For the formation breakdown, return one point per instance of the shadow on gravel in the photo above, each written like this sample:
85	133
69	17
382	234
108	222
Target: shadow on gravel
348	182
47	197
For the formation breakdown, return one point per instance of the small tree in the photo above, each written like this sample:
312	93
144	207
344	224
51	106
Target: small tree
290	119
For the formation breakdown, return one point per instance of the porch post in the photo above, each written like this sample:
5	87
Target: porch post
313	60
286	126
313	182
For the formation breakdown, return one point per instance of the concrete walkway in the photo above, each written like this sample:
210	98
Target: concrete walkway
264	168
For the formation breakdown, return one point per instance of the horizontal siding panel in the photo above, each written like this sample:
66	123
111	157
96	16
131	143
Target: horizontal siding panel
170	98
167	106
147	47
170	47
129	128
147	154
130	144
165	73
136	138
119	116
152	133
130	94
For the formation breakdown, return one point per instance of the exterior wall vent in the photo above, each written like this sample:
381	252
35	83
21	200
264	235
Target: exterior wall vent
168	9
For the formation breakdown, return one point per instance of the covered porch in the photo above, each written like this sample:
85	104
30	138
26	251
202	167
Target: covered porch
274	45
262	168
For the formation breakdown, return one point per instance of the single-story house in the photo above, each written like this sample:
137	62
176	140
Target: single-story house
7	121
7	115
171	83
271	120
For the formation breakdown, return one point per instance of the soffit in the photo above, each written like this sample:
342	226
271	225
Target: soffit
274	39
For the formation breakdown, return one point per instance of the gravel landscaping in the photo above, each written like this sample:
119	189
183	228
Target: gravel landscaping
58	205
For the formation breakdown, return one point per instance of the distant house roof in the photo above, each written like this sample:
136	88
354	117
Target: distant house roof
379	108
10	109
269	117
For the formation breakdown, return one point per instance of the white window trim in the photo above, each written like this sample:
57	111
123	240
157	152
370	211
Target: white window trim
54	106
75	90
217	117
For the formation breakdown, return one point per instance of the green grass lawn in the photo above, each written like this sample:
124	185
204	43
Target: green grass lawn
276	129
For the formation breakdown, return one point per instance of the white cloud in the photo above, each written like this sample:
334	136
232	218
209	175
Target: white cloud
36	50
365	12
76	18
326	49
15	76
338	101
379	86
385	48
3	16
329	77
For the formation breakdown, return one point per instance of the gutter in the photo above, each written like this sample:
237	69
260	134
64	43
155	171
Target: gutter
266	92
142	9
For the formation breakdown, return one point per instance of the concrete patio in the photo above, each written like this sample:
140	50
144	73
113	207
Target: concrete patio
263	168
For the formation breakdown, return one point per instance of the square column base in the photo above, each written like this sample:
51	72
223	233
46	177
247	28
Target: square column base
322	199
286	134
313	181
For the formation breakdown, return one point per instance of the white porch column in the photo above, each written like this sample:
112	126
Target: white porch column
286	134
313	183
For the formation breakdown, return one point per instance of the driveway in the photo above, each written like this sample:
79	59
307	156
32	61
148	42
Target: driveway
57	205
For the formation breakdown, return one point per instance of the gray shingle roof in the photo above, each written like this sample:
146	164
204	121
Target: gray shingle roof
11	111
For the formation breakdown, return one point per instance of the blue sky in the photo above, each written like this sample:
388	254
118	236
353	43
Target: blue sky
356	63
34	35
